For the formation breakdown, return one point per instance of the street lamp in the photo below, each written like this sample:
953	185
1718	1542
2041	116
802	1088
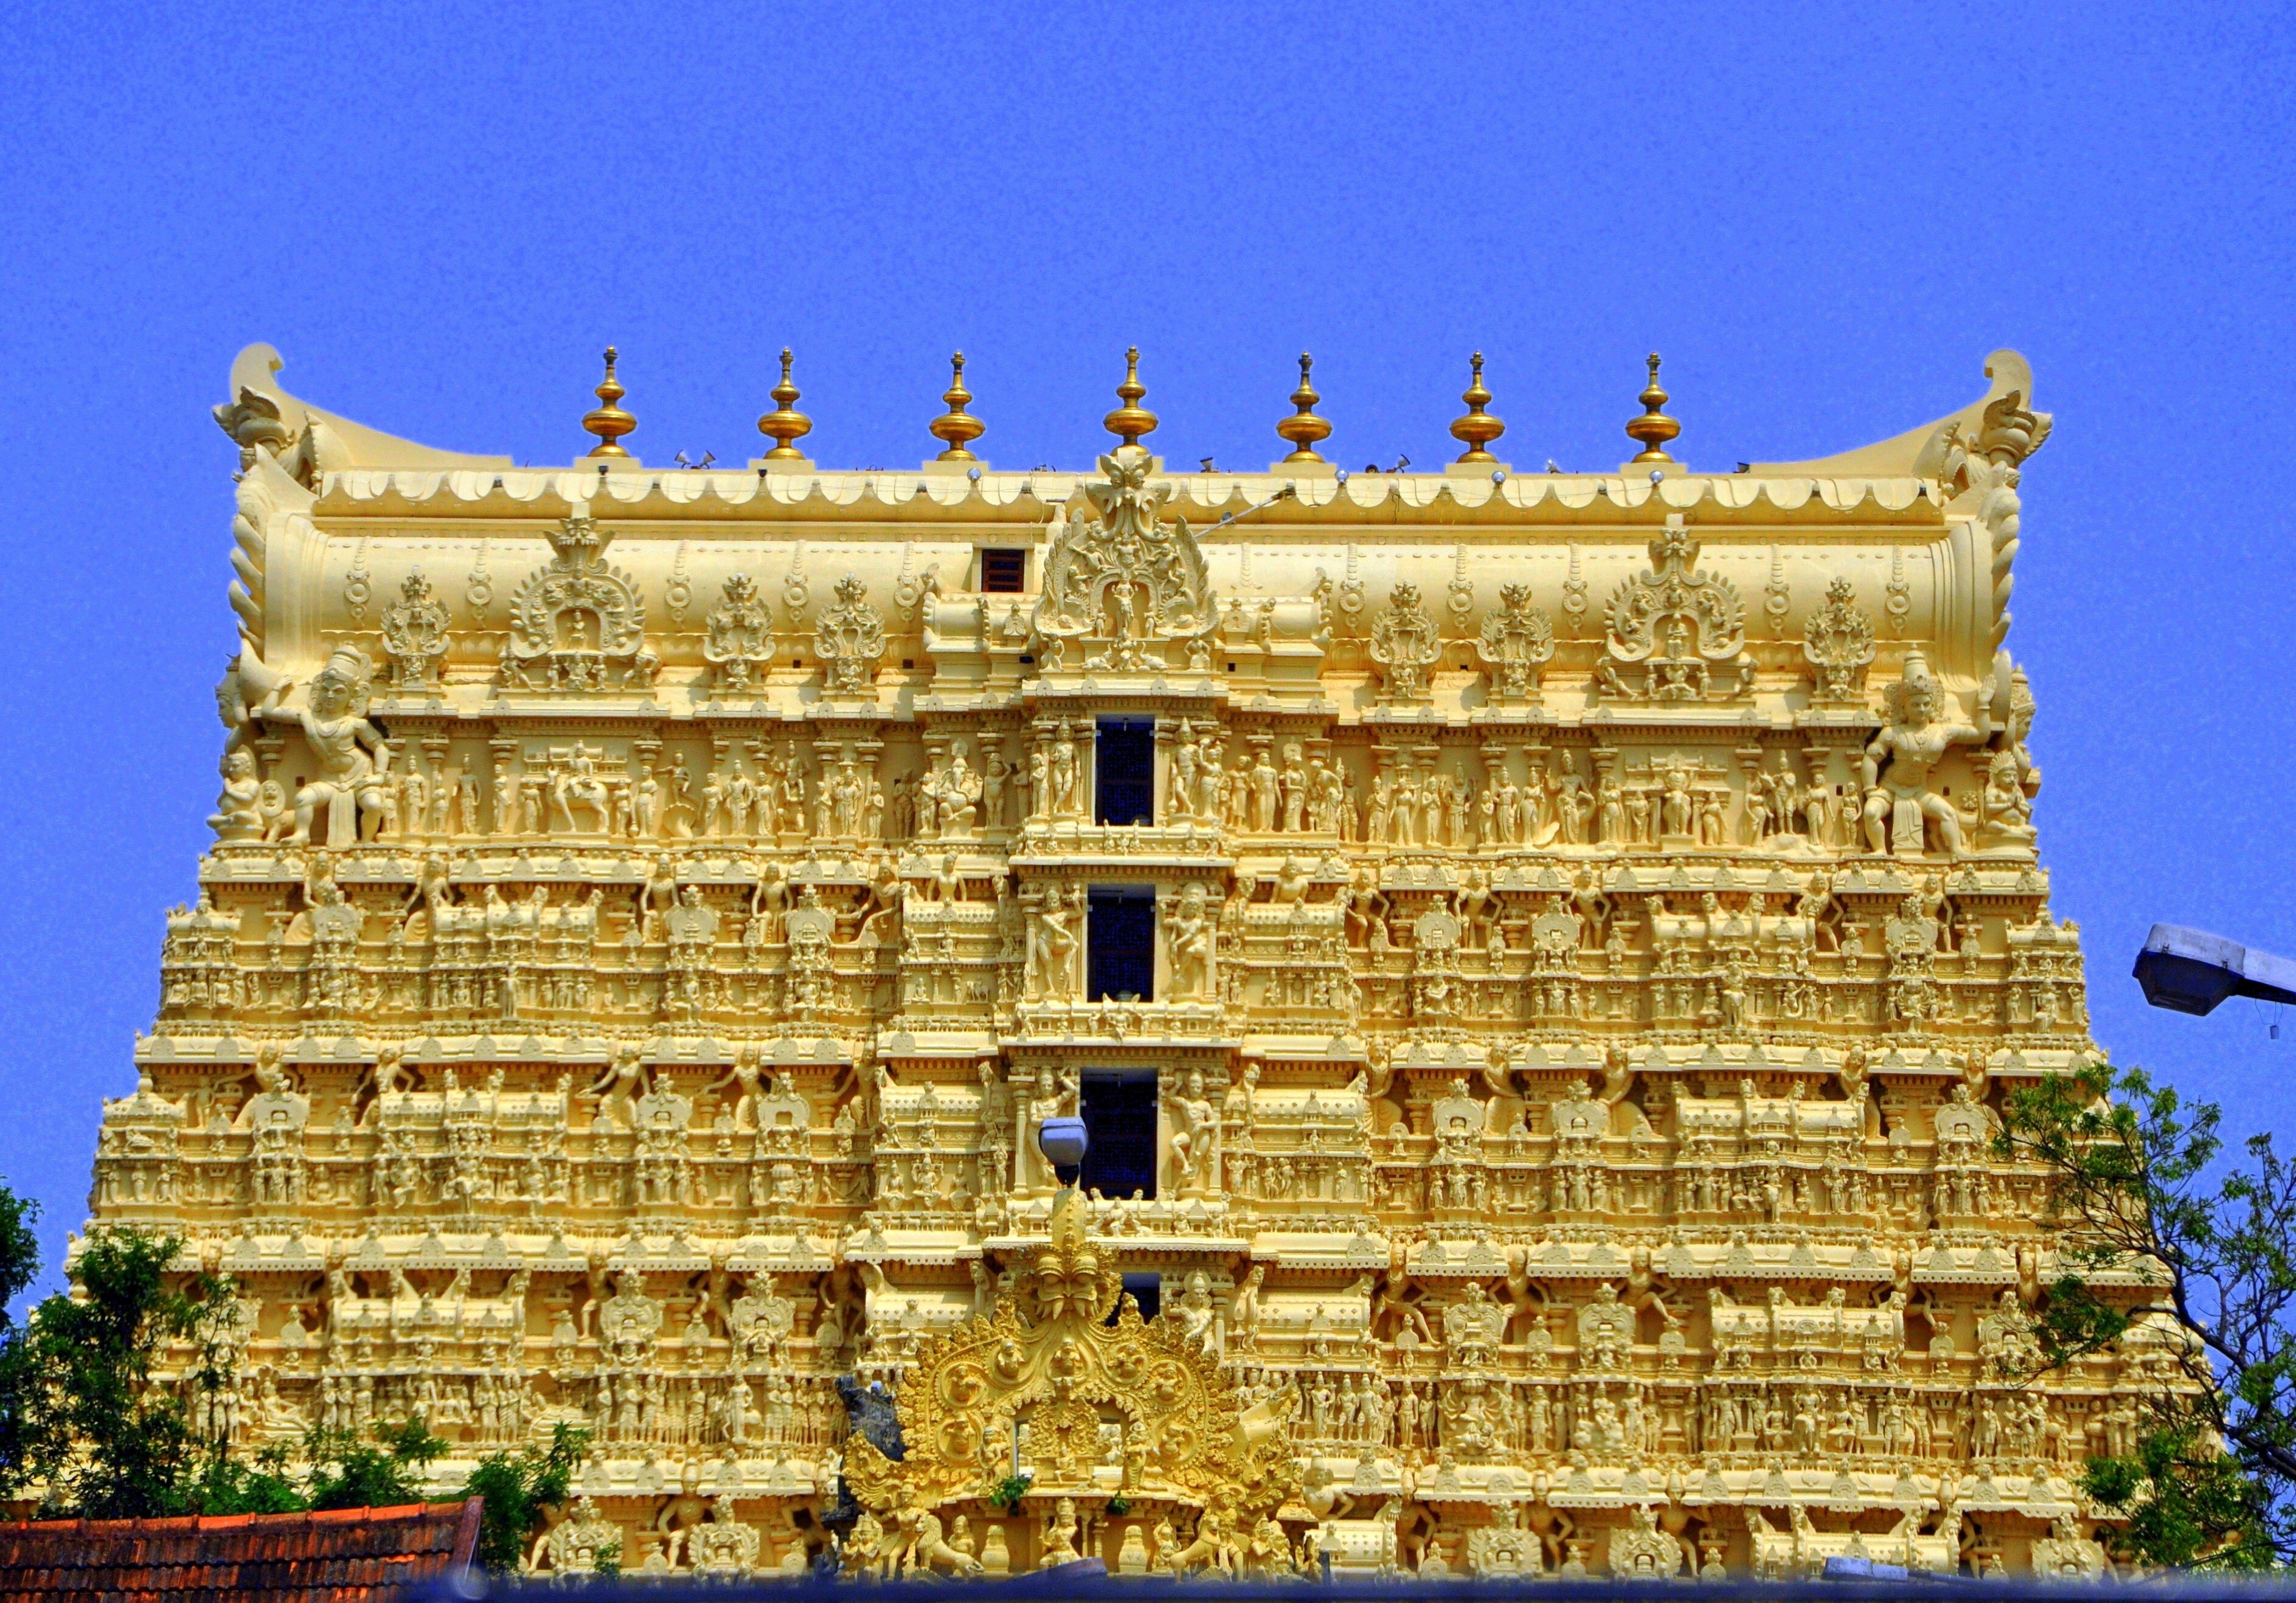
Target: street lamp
1062	1141
2191	970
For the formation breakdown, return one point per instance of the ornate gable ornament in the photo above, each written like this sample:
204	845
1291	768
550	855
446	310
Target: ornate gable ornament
1124	581
739	646
1677	631
1515	641
849	639
1047	1359
1838	641
1406	645
577	623
413	635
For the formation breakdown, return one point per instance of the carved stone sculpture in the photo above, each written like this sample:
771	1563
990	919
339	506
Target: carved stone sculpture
1405	643
1838	643
577	624
849	638
1905	811
1516	640
1677	632
740	647
1124	580
414	635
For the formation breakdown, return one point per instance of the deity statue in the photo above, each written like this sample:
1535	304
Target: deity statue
1189	933
353	759
238	816
1056	1093
1195	1127
1900	796
1055	943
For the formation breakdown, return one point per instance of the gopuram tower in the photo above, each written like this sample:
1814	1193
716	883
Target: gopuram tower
1537	955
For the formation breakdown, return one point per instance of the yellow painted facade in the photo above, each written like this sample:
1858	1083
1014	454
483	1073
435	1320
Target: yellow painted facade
1539	954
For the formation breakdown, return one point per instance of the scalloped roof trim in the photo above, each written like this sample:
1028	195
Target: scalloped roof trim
1212	494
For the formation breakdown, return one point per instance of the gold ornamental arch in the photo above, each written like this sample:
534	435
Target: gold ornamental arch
1048	1356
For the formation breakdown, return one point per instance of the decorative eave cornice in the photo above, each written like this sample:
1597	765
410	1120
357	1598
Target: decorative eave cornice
830	496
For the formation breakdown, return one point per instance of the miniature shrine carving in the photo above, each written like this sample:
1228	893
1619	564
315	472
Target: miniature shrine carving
577	622
1677	631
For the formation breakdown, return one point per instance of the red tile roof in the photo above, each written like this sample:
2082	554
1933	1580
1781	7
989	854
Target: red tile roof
346	1555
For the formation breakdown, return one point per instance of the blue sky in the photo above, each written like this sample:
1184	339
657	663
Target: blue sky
1823	216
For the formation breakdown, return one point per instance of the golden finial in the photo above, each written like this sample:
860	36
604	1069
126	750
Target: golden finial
1130	421
1304	429
957	428
1653	429
608	421
1478	429
784	424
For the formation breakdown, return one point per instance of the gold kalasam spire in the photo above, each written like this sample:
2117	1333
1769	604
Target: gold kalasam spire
1653	429
1304	430
607	420
957	428
1478	427
1130	421
784	424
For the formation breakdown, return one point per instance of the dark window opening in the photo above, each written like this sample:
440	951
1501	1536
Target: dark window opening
1124	773
1119	1122
1120	943
1148	1291
1004	572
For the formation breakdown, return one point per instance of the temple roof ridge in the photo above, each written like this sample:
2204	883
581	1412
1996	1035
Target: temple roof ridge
342	443
1922	453
367	463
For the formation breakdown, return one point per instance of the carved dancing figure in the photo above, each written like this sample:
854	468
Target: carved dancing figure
1188	932
1194	1128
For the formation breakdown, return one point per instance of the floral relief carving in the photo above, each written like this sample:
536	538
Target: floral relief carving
740	643
1406	645
415	639
1516	640
849	639
1838	644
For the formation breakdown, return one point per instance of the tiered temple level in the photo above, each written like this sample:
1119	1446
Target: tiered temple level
1539	955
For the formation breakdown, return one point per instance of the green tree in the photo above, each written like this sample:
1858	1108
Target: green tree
2185	1264
86	1418
341	1471
82	1417
519	1489
347	1473
227	1485
20	1266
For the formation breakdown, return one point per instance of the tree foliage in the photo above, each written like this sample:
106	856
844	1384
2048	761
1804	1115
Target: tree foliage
518	1488
20	1266
85	1419
2184	1263
84	1422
